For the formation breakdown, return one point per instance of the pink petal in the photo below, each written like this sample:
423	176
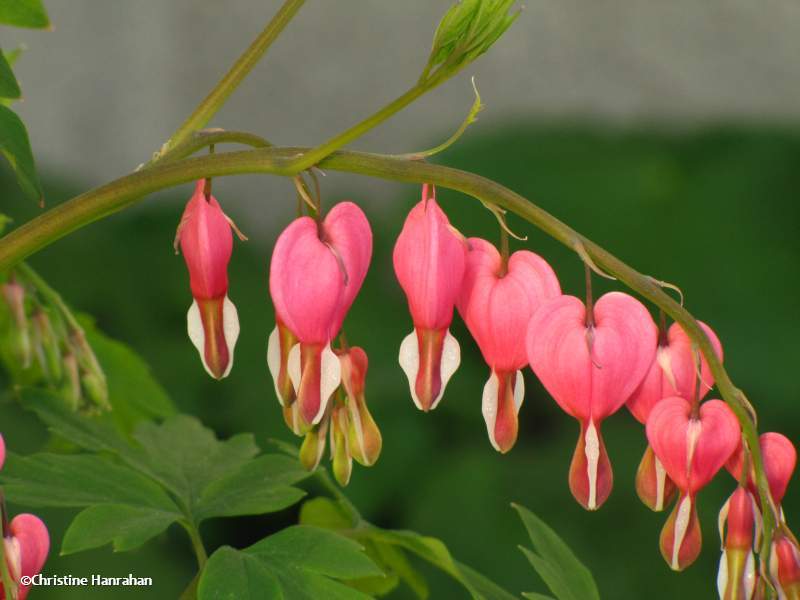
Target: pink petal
779	456
34	542
429	261
497	309
673	372
306	282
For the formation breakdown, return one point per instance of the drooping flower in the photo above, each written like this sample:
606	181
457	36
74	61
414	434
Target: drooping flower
673	372
363	436
779	457
27	544
206	241
591	366
739	529
692	445
315	274
497	301
784	566
429	259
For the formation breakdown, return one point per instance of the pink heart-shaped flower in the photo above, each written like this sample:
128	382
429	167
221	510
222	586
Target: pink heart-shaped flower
779	456
591	369
692	448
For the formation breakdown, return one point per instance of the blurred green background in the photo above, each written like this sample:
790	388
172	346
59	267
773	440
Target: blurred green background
714	211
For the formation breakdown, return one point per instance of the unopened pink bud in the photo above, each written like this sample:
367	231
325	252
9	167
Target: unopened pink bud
206	241
497	302
429	259
591	368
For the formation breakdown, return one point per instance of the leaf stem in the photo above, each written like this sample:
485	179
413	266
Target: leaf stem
197	543
114	196
231	80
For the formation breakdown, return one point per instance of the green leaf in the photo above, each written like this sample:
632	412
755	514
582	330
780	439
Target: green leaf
186	457
557	565
483	585
126	527
234	575
9	88
78	480
260	486
318	550
536	596
324	512
16	147
133	392
23	13
297	563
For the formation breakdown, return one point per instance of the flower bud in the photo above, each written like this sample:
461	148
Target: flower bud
313	446
738	519
429	259
20	341
653	486
590	364
340	449
779	457
363	436
206	241
48	344
71	386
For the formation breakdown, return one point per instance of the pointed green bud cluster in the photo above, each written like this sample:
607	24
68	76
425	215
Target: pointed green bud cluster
465	32
45	343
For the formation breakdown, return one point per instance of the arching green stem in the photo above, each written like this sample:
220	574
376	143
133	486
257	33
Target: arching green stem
118	194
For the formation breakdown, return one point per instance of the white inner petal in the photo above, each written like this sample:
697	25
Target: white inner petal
330	378
519	391
274	359
194	326
722	574
451	358
681	526
293	366
664	359
722	519
749	575
230	328
592	450
489	407
409	362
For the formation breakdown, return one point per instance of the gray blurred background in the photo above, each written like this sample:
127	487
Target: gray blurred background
115	77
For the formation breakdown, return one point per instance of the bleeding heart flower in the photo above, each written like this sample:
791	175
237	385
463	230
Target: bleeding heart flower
692	447
784	566
363	436
315	274
2	451
739	530
429	259
205	239
27	544
591	367
780	458
497	302
672	373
